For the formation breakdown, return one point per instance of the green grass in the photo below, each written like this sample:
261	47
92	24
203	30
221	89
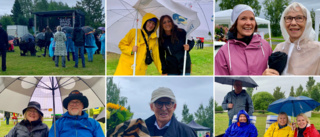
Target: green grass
202	62
38	65
221	122
4	128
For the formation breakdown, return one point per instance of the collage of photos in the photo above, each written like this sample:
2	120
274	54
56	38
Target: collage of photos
160	68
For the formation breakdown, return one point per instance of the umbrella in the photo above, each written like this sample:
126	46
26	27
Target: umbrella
124	15
101	28
67	29
293	106
101	117
40	36
246	81
10	37
16	92
87	29
25	38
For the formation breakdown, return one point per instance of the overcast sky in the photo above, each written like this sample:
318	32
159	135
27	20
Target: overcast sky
266	84
309	4
192	91
6	5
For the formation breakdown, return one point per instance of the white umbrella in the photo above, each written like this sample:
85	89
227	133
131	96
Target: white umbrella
16	93
123	15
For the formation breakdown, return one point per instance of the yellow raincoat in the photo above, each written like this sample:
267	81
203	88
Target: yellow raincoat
126	44
274	131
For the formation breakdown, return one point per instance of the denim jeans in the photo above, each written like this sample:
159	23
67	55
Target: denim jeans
63	61
81	48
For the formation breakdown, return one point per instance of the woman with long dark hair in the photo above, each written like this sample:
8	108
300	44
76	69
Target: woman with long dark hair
172	46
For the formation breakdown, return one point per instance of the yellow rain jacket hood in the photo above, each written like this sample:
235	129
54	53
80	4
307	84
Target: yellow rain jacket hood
125	65
274	131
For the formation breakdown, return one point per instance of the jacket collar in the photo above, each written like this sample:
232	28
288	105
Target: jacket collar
255	42
171	131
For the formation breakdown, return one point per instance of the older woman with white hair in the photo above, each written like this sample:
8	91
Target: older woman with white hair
60	49
245	53
302	50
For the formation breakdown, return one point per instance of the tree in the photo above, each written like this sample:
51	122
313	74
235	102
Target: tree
262	100
16	11
93	12
204	116
53	5
186	116
27	8
310	84
6	20
273	11
113	93
229	4
277	94
216	107
291	91
249	91
315	94
299	91
40	5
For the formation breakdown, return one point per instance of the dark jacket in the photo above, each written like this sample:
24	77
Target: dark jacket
240	129
48	36
172	54
175	129
7	114
3	39
78	37
21	130
240	102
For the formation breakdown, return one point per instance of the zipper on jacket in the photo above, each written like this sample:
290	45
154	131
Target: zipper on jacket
169	50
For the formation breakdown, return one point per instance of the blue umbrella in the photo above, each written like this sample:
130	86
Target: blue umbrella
246	81
293	106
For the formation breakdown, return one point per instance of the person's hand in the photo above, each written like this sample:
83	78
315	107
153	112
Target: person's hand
134	48
186	47
293	126
165	74
230	105
270	71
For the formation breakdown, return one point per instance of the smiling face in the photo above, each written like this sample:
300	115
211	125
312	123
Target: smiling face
301	121
163	114
75	107
243	118
166	24
32	114
150	25
246	24
282	120
295	29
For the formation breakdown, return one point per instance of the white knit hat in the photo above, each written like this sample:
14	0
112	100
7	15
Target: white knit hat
237	10
162	92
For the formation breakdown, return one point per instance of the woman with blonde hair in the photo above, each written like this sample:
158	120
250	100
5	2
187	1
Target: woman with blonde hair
281	128
305	128
31	123
300	46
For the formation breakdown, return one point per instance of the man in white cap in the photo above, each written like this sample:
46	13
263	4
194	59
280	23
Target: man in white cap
75	122
163	122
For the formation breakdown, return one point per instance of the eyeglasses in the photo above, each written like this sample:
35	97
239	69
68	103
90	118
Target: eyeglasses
299	19
74	102
159	104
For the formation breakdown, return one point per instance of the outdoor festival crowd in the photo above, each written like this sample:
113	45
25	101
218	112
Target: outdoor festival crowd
238	102
246	53
75	121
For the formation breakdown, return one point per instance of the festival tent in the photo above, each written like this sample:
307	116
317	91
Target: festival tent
224	17
201	130
317	22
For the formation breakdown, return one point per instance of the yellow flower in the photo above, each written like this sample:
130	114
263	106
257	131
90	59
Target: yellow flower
108	114
115	106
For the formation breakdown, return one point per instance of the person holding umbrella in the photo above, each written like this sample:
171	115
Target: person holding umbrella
245	53
76	120
300	46
281	128
31	123
172	46
305	128
242	128
237	100
128	48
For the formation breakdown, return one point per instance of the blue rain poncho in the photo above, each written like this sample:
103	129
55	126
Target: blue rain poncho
91	43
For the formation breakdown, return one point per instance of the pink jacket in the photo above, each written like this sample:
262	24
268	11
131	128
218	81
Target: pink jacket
244	59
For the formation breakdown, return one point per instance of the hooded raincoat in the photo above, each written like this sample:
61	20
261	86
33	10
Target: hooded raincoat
238	58
77	126
274	131
126	44
240	129
310	131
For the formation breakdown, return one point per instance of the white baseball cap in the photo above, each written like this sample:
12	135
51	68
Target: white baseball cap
162	92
